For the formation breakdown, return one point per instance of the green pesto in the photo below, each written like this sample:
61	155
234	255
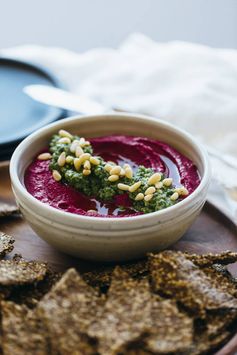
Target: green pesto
97	185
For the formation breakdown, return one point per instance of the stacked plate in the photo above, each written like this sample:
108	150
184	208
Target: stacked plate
19	114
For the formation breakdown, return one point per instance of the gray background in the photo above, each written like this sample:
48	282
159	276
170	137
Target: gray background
82	24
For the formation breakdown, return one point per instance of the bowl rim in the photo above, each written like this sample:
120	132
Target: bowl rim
71	217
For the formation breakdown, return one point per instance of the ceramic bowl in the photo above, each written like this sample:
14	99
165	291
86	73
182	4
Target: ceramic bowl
110	239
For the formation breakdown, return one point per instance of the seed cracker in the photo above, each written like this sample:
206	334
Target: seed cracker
204	260
20	272
67	311
22	331
7	210
125	315
176	276
6	244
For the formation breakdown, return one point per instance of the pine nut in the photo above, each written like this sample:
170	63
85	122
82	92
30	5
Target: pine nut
86	172
135	186
92	211
159	185
139	197
182	191
62	159
128	173
150	190
81	141
108	167
87	165
44	156
123	187
64	133
122	173
167	182
154	179
115	170
74	144
111	162
113	178
64	140
126	166
69	159
94	161
78	151
148	197
86	143
84	157
77	164
56	175
175	196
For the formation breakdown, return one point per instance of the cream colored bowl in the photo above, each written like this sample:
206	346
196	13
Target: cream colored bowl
110	239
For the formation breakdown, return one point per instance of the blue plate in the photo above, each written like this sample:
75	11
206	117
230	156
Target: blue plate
19	114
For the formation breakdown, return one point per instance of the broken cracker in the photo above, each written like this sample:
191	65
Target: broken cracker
6	244
204	260
175	276
67	311
125	315
22	331
20	272
7	210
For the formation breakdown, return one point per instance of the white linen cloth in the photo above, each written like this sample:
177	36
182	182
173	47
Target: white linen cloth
190	85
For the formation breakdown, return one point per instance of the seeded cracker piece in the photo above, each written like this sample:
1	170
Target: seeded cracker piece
8	210
125	316
6	244
205	260
30	295
20	272
102	277
175	276
67	311
172	331
22	331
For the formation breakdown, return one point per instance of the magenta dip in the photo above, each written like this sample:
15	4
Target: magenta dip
119	149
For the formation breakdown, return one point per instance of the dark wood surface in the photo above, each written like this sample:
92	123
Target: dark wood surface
212	232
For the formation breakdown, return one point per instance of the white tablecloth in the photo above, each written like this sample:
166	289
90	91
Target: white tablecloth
190	85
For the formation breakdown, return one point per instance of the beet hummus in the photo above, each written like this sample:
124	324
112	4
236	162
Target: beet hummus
112	176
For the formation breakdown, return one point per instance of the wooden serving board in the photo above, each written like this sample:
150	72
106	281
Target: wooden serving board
212	232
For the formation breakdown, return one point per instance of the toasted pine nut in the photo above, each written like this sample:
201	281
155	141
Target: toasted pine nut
159	185
111	162
86	172
62	159
92	211
123	187
167	181
153	179
148	197
122	172
82	140
94	161
135	186
126	166
73	146
64	140
115	170
78	151
175	196
87	165
150	190
56	175
64	133
113	178
86	143
69	159
84	157
77	164
139	197
108	167
44	156
182	191
128	173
